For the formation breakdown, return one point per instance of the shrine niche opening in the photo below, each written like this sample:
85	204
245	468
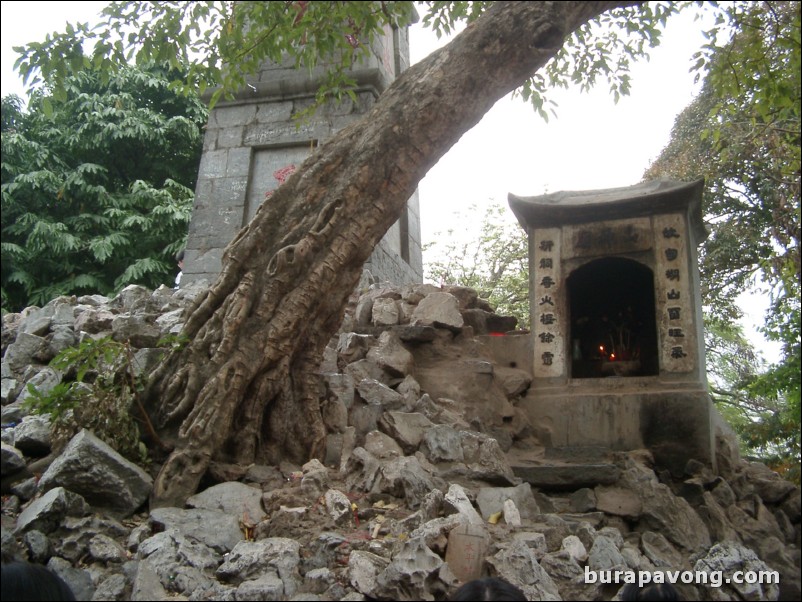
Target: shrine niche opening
612	317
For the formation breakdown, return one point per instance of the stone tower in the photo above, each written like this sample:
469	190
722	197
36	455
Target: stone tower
252	142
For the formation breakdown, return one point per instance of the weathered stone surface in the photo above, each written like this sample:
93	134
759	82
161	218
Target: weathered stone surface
457	499
406	478
11	460
728	557
32	435
567	477
575	548
407	429
382	446
79	580
181	563
409	573
618	501
391	355
665	513
238	500
604	555
363	571
338	506
135	329
91	468
46	513
215	529
517	564
513	381
438	309
385	312
491	500
252	559
376	393
352	347
25	350
441	443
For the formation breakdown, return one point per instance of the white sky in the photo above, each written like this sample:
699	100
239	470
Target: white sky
593	143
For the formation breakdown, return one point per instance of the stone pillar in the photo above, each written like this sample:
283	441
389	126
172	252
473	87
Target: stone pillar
252	142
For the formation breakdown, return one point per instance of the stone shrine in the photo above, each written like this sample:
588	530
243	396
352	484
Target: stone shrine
617	332
253	143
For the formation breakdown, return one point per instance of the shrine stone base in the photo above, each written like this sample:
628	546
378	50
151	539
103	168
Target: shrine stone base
672	422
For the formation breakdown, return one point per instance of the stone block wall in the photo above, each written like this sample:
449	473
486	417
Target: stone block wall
251	138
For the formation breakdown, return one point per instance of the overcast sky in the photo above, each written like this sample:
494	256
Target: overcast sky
593	143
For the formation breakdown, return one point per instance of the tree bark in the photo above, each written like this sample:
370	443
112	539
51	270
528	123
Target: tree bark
244	389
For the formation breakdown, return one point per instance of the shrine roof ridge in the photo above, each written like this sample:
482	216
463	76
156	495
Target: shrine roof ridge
646	198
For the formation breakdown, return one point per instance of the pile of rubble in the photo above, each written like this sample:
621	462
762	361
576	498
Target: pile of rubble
417	492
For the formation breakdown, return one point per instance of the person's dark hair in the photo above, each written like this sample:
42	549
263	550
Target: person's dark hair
490	588
25	581
652	591
179	256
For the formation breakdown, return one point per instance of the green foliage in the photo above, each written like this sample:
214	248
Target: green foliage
100	397
494	262
96	185
217	45
742	133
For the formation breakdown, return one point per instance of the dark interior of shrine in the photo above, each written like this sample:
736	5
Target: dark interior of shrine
613	326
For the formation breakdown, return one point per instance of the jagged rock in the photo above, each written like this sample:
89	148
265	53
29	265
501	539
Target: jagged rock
46	513
391	355
37	545
135	329
341	387
535	541
438	309
485	460
759	478
664	512
604	555
338	506
409	574
238	500
214	529
44	381
491	500
575	548
407	429
181	563
517	564
352	347
253	560
513	381
364	569
146	584
724	558
660	551
459	502
25	350
385	312
406	478
11	460
93	321
511	515
32	435
441	443
91	468
382	446
79	580
104	549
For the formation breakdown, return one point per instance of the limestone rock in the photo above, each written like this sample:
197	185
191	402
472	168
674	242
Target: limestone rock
91	468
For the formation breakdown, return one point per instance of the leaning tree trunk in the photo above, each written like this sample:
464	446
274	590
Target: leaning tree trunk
244	388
